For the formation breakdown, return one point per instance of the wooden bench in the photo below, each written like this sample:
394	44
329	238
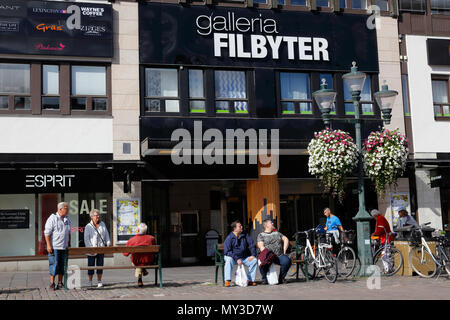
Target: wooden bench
156	249
219	261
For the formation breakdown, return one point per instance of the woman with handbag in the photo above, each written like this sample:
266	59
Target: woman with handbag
96	235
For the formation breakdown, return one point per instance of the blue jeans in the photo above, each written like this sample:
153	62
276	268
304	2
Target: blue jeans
230	262
285	263
99	258
56	262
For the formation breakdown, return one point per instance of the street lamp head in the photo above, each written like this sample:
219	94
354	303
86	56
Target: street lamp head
324	99
385	100
354	80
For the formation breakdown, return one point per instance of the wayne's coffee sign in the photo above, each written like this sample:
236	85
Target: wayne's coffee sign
174	34
56	28
438	52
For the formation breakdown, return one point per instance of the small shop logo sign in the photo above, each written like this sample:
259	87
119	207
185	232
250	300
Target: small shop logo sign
11	8
93	30
48	180
6	26
42	47
47	10
48	27
92	12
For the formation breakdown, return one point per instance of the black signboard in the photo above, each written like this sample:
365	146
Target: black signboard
55	181
14	219
440	178
242	37
56	28
438	52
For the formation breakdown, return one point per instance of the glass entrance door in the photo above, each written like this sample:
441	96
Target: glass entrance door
189	237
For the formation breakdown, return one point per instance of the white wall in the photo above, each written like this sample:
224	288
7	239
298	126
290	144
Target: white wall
55	135
428	133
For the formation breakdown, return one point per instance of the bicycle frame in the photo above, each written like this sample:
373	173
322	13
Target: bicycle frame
319	260
427	248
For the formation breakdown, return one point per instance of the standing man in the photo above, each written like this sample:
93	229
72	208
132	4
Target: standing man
277	243
141	259
57	236
96	235
333	223
239	248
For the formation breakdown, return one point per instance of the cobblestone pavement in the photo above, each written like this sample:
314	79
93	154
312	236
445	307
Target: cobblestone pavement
197	283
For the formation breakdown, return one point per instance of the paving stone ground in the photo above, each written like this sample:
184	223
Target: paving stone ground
197	283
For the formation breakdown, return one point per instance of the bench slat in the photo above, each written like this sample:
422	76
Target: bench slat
116	249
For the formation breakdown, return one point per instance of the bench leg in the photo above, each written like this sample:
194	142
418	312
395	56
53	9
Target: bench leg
160	277
217	272
156	277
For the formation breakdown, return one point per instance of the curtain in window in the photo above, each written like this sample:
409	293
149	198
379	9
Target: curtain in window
14	78
294	86
440	91
230	84
88	80
162	82
196	84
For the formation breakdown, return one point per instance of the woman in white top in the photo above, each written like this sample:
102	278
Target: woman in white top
96	235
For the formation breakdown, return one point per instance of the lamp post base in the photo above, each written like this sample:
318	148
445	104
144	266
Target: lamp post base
363	234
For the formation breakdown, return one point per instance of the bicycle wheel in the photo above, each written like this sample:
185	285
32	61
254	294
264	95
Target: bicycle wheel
311	266
389	262
331	271
422	262
346	260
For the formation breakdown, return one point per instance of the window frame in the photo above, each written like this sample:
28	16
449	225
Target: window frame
441	116
12	95
296	102
162	99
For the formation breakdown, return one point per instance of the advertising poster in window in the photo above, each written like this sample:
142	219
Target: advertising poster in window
399	200
128	218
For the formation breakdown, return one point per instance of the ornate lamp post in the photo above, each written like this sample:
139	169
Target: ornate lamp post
354	80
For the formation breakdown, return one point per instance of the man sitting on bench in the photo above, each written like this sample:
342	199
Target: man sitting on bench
141	259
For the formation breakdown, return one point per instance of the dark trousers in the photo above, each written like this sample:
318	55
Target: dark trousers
284	262
93	260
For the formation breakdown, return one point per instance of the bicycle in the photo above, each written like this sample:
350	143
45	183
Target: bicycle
346	256
319	258
422	259
387	257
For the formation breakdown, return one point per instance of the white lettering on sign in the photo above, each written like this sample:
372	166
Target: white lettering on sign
86	206
227	41
48	180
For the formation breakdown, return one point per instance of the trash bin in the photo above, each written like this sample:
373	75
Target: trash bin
212	238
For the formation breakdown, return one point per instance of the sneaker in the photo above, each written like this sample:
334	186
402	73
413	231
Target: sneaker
227	283
89	283
52	286
251	283
264	281
100	284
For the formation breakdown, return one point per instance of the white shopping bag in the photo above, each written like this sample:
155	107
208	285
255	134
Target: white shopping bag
272	276
241	276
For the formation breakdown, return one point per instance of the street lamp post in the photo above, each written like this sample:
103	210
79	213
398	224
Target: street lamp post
354	80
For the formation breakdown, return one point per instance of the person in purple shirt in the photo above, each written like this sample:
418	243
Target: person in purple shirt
239	248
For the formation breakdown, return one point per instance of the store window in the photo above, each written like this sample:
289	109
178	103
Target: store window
89	88
15	86
366	102
161	90
50	87
16	237
231	92
412	5
405	95
295	93
359	4
197	103
440	97
440	6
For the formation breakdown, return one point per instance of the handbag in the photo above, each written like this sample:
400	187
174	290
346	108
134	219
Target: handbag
241	276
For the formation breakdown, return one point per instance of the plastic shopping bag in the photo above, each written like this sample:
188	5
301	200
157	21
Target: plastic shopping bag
272	276
241	276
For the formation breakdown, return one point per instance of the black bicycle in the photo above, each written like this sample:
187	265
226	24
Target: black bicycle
346	256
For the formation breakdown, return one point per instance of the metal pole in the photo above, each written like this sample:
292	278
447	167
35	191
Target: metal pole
362	218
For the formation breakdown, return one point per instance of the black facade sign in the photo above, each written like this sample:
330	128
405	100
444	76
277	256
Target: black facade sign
438	52
56	181
14	219
238	37
56	28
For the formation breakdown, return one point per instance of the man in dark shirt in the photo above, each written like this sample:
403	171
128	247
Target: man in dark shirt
277	243
239	248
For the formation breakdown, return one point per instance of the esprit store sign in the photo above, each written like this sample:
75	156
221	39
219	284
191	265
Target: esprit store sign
229	32
48	180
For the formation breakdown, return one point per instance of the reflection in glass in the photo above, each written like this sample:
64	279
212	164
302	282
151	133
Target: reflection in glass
50	103
4	102
99	104
230	84
87	80
22	103
78	103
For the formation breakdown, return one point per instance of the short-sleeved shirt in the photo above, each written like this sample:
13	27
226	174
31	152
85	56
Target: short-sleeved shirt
58	230
272	241
333	223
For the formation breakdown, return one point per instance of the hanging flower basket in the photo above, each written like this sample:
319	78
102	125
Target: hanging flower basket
385	154
332	155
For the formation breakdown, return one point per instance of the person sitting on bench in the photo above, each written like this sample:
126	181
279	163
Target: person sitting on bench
141	259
